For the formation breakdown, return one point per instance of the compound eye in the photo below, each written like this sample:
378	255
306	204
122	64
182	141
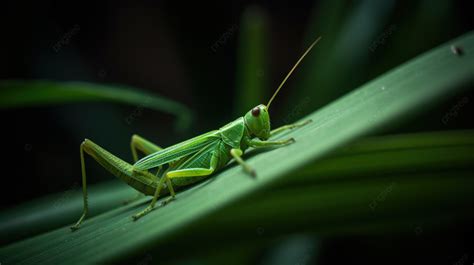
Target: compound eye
256	111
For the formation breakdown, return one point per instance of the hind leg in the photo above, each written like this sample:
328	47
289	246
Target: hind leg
114	165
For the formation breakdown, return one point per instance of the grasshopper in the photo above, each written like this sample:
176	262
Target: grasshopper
190	161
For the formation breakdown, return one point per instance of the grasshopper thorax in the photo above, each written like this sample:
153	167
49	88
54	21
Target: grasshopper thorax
257	121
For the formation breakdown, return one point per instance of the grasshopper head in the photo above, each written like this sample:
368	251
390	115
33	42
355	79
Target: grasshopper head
257	119
258	122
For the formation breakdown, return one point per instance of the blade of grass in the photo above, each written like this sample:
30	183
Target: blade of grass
422	14
394	153
404	90
344	52
336	208
19	93
57	210
251	68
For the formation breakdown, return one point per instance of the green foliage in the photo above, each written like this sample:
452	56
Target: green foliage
251	75
18	93
348	37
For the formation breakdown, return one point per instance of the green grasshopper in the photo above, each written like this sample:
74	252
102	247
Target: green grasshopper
190	161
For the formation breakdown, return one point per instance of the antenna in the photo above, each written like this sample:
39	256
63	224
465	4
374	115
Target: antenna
291	71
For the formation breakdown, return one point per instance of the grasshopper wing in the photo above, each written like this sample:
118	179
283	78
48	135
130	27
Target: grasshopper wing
176	151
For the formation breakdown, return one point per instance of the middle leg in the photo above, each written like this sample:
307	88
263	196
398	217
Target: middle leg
237	155
179	173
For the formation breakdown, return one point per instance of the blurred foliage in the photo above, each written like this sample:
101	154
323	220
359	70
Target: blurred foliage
18	93
252	57
346	49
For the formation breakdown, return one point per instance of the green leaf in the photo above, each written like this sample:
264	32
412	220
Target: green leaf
251	67
406	90
19	93
53	211
348	33
400	153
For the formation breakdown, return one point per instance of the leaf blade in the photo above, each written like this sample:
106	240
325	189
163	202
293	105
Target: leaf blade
20	93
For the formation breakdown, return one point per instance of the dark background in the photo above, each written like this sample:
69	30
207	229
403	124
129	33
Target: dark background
166	47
